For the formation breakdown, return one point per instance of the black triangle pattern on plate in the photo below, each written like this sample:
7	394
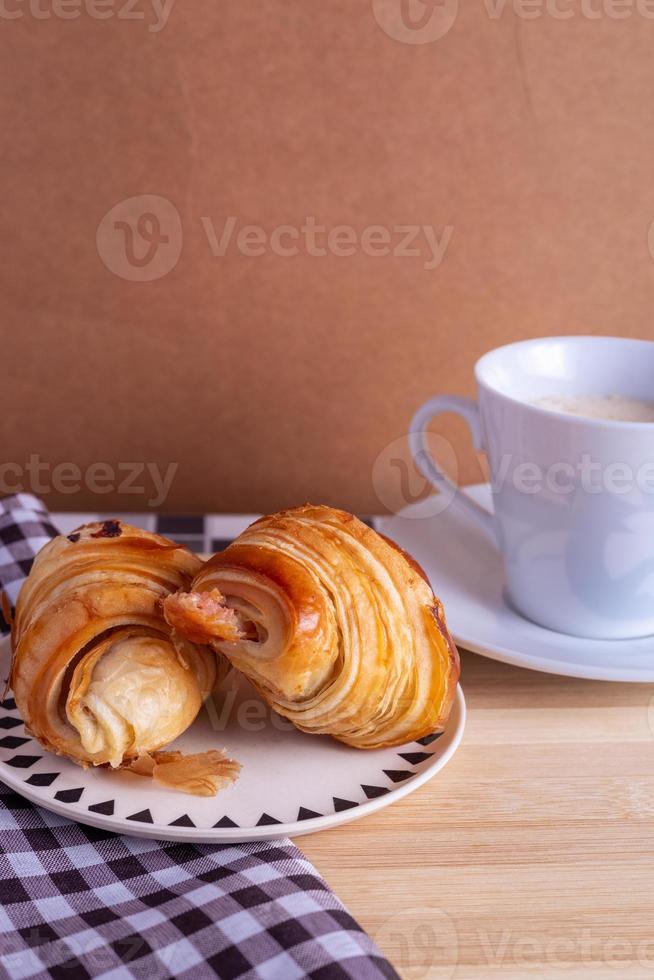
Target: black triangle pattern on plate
143	816
372	792
13	741
340	805
7	722
415	757
304	814
183	821
42	778
8	704
265	820
398	775
23	761
69	795
225	822
106	808
428	739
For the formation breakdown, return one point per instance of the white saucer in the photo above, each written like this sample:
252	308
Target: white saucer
465	570
290	784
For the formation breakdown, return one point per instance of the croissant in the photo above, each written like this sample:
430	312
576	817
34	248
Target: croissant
336	627
97	673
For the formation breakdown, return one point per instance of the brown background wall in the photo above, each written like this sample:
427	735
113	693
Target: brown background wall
273	379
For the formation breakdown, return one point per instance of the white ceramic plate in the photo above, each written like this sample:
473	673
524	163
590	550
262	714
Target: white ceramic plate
465	570
290	784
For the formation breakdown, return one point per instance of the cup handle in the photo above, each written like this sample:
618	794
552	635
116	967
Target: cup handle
468	409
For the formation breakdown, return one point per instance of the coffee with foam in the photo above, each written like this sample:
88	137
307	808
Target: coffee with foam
613	407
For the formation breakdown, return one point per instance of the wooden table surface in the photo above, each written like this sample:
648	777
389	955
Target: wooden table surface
531	854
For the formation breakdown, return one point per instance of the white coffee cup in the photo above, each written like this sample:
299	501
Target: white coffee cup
573	496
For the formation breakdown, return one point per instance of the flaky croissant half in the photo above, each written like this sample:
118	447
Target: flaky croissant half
335	625
97	673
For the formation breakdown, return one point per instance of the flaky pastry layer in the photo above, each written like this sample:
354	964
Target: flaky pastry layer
335	625
97	673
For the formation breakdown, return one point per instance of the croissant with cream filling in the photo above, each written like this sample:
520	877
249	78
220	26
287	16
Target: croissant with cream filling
335	625
97	673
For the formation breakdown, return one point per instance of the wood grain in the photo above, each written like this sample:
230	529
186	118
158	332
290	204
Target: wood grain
531	854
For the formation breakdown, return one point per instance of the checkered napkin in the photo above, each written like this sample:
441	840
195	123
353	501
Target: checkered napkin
78	902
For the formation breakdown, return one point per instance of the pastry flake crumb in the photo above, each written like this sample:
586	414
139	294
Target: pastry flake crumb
200	774
202	616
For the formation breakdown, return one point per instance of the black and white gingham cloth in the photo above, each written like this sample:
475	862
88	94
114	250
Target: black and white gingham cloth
25	527
79	902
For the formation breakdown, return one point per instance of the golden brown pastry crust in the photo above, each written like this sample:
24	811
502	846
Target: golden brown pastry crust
200	773
97	673
335	625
